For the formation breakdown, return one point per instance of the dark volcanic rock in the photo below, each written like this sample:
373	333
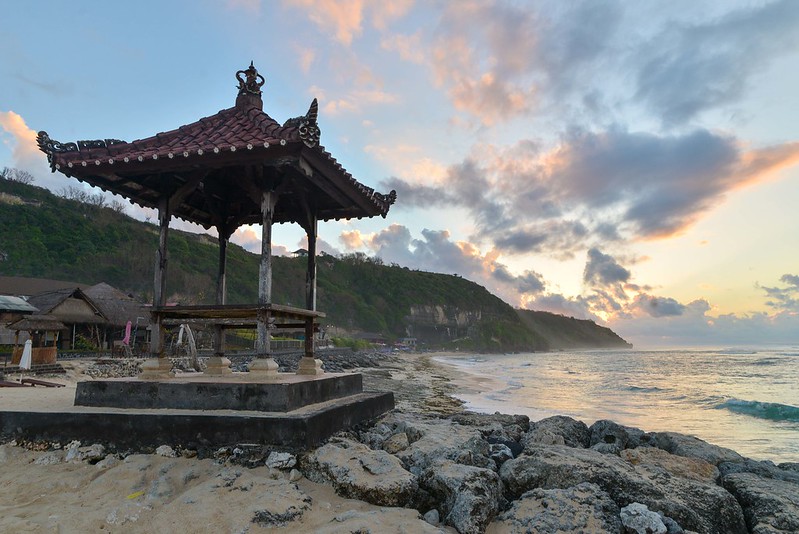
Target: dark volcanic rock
770	505
582	508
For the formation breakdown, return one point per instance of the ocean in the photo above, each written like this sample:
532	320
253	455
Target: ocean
743	399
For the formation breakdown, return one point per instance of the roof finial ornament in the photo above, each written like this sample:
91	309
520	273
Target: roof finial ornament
250	85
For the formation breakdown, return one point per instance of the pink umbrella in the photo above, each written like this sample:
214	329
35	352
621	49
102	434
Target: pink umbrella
126	340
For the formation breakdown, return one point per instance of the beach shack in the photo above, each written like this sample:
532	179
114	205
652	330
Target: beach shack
239	166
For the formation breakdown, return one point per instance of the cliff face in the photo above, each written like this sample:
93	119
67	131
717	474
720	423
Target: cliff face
561	332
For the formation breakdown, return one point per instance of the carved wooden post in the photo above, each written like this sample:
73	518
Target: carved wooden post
159	366
308	365
263	364
218	364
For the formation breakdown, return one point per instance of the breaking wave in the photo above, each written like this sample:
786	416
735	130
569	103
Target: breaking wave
763	410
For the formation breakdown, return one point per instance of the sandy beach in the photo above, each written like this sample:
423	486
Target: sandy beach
153	493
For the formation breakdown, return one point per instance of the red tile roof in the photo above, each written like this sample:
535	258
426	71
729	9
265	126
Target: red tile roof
233	139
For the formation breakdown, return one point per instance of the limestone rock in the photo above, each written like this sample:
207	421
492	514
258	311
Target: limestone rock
281	460
692	447
694	505
770	506
431	442
432	517
166	451
356	471
470	496
500	453
764	469
607	448
50	458
692	468
582	508
638	519
542	436
575	433
606	431
380	521
396	443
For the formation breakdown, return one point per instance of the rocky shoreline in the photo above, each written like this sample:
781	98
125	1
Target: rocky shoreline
428	466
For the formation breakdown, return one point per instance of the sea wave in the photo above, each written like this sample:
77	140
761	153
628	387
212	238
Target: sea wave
773	411
768	361
644	389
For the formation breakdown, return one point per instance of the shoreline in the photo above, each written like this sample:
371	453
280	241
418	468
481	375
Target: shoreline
428	466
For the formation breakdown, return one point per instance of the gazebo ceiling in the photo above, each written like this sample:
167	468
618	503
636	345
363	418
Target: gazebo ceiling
215	170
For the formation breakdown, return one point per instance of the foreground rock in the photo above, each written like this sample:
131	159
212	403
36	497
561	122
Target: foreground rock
581	508
770	505
694	505
358	472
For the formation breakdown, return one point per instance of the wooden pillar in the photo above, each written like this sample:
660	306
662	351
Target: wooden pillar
308	365
159	366
263	364
218	364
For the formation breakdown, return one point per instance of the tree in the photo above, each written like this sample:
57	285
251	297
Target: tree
17	175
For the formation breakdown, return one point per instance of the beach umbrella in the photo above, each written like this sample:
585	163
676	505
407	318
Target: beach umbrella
25	360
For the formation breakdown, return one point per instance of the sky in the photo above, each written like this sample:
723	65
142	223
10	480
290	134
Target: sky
633	163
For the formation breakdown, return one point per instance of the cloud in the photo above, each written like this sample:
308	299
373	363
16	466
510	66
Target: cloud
602	270
593	188
409	47
658	306
25	152
694	66
345	17
437	252
784	298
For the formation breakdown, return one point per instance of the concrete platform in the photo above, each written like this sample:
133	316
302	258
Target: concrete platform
233	392
141	428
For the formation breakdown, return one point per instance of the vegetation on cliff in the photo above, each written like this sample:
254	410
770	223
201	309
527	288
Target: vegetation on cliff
77	237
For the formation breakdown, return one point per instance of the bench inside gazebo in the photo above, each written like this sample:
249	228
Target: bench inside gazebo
233	168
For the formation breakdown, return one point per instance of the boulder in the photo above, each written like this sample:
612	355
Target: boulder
431	442
692	447
769	505
582	508
356	471
638	519
281	460
694	505
692	468
574	433
764	469
397	442
469	496
606	431
500	453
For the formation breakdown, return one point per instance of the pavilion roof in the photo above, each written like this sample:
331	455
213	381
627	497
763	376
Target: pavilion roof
214	169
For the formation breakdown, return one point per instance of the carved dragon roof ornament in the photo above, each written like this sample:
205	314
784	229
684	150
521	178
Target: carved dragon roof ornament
250	83
306	125
51	146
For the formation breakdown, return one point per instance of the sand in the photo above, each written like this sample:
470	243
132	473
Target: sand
153	493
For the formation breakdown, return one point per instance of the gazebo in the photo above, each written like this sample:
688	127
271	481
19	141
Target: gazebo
239	166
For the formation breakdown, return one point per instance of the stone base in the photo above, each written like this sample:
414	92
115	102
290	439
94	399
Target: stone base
156	369
309	366
199	393
218	366
199	430
263	368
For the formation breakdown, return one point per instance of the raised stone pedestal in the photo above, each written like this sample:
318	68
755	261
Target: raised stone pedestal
156	369
263	368
218	366
309	366
198	393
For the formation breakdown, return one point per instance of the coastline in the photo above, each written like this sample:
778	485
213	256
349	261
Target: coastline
429	466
